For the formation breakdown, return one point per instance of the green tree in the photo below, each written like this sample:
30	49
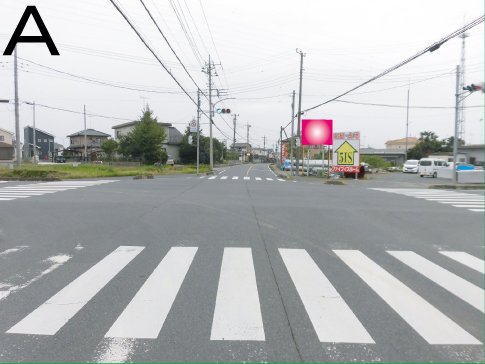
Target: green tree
145	141
429	143
375	161
188	152
109	147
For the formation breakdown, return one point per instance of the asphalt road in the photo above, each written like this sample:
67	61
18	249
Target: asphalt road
215	269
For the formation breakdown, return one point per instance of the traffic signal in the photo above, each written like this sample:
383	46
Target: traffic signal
475	87
223	111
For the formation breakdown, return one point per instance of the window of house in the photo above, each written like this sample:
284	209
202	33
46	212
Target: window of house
2	138
118	133
450	159
39	140
45	140
163	149
462	160
72	141
472	159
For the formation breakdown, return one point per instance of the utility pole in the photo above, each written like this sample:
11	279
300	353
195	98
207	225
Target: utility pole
18	154
281	146
85	137
455	139
407	127
234	137
461	109
211	157
292	133
198	128
264	147
35	145
247	141
298	135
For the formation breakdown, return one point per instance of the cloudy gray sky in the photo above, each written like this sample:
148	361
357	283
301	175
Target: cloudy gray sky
105	66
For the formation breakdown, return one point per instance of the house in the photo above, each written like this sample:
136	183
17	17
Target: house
314	150
474	153
171	144
6	146
59	148
395	156
448	156
44	144
401	143
91	138
243	149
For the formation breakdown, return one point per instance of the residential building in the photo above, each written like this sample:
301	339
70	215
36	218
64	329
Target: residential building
448	156
44	144
474	153
401	143
171	144
6	146
91	138
243	149
395	156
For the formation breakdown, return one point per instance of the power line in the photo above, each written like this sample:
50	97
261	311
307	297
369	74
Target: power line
403	106
430	48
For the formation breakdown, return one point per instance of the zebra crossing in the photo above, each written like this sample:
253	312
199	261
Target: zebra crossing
9	193
470	201
244	178
237	313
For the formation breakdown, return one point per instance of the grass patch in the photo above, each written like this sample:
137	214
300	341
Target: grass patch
67	171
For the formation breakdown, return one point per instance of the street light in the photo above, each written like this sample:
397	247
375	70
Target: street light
4	101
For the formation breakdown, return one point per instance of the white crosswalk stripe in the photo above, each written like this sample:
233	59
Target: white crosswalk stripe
449	281
467	259
143	318
258	178
238	314
244	178
38	189
431	324
473	202
58	310
224	177
332	319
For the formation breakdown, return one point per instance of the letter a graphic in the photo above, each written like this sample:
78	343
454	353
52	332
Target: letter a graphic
18	38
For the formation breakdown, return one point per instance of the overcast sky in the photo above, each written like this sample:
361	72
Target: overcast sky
345	42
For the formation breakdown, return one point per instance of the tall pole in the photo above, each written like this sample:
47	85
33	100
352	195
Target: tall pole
281	145
292	133
247	141
85	136
35	145
198	128
17	121
407	128
211	153
455	139
234	138
264	147
298	135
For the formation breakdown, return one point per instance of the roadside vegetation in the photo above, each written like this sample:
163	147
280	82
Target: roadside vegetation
68	171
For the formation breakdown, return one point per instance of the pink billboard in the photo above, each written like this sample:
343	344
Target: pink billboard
316	132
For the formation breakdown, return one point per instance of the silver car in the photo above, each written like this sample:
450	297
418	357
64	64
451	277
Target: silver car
411	166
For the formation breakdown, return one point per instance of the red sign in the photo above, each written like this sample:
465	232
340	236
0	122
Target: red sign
283	149
347	136
316	132
353	169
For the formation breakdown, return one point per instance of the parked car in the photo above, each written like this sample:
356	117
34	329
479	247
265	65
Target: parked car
411	166
170	160
429	166
60	159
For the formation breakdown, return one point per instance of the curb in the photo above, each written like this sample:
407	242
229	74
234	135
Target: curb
29	179
144	176
332	182
210	173
457	187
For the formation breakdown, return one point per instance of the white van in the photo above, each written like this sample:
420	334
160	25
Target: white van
430	166
411	166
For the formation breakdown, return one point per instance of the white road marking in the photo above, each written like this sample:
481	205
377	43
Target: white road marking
11	195
60	308
466	259
6	199
269	179
144	316
213	177
258	178
247	178
431	324
224	177
21	193
281	180
235	177
332	318
201	177
458	286
13	250
469	205
461	201
477	210
115	350
237	314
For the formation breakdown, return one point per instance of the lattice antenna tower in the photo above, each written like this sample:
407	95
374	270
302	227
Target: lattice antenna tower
461	109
